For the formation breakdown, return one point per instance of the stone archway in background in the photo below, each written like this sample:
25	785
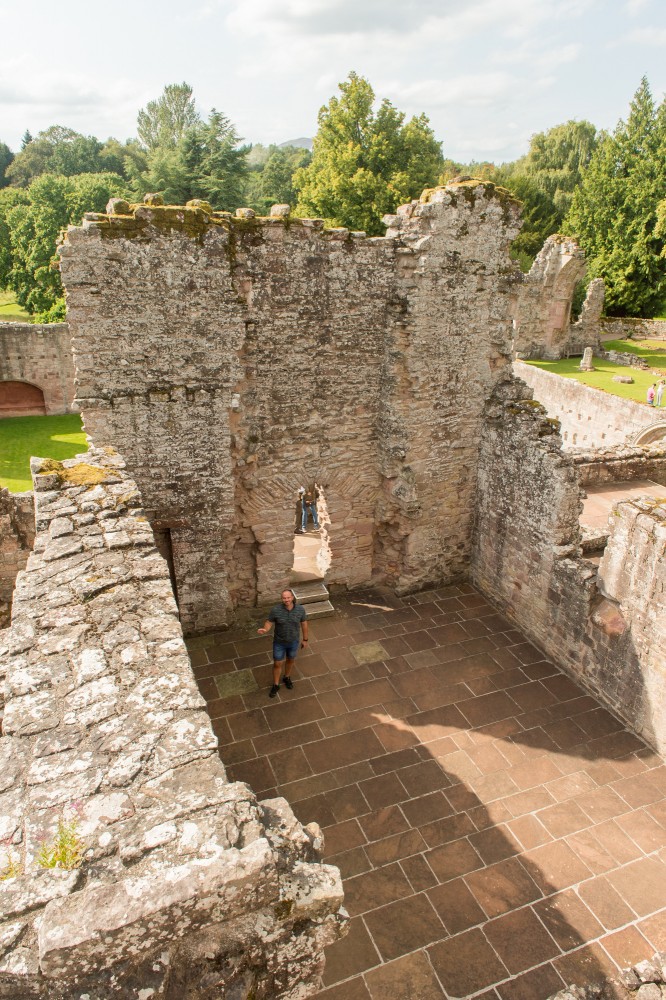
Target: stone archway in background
21	399
652	434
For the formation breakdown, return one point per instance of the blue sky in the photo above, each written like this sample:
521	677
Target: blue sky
488	73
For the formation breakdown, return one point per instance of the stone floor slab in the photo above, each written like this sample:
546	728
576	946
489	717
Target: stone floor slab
499	833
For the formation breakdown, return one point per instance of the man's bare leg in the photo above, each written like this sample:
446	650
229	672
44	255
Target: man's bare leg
277	670
287	672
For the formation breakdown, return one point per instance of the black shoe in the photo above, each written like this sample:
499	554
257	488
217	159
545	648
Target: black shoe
274	690
288	683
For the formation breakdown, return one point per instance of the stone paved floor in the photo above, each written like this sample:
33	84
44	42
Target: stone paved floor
500	834
600	499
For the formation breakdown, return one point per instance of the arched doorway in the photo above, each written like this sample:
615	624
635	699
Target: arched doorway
21	399
312	552
652	434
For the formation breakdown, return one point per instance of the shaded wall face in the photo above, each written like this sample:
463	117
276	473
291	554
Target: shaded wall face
234	361
37	358
526	557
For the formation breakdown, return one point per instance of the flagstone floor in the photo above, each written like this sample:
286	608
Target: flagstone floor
499	833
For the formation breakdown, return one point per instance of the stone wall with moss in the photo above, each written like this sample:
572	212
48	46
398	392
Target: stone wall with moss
130	866
233	359
604	625
41	355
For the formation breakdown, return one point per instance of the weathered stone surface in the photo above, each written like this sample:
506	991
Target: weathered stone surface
40	355
607	629
387	421
104	727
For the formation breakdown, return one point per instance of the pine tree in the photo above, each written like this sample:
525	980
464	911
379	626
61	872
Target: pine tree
614	211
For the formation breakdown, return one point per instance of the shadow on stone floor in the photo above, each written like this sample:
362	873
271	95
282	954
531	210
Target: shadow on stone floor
500	834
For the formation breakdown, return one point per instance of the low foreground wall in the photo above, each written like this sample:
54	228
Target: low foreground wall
621	464
619	328
17	534
589	417
607	629
184	886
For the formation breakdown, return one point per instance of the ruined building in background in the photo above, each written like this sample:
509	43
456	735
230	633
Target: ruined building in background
228	360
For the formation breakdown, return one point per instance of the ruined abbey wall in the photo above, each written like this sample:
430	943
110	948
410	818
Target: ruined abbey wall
183	884
607	627
233	359
41	355
589	417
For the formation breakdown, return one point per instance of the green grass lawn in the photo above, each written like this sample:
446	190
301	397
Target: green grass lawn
43	437
654	352
10	310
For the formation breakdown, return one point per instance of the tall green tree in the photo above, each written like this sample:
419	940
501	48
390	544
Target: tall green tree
271	177
163	122
207	162
614	212
557	160
365	162
6	157
56	150
34	224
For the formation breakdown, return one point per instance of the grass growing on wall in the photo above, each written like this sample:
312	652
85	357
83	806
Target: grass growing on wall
654	352
43	437
10	310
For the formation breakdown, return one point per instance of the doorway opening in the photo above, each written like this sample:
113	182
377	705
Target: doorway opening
312	551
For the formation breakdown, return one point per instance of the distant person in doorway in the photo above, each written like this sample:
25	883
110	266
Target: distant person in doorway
661	385
300	511
309	500
291	633
651	394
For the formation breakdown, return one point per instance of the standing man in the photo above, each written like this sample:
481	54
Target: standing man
289	618
309	501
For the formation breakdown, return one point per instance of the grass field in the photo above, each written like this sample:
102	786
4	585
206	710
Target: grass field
43	437
654	352
10	310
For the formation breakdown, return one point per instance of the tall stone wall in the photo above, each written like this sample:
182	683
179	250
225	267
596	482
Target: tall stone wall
233	359
17	535
40	354
178	883
542	318
607	628
589	418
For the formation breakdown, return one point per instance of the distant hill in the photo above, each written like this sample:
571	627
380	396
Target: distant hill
302	143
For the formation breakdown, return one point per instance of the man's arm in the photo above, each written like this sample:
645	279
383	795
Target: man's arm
304	630
266	627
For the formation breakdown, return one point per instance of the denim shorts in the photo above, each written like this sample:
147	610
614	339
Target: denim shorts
285	649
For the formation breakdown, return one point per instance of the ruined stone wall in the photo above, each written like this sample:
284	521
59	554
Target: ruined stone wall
618	465
179	884
41	355
589	417
542	316
606	630
620	328
234	359
17	534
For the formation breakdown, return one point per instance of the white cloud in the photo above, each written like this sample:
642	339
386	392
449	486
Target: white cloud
655	37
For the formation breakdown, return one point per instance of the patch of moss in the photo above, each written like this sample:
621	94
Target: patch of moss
78	475
283	909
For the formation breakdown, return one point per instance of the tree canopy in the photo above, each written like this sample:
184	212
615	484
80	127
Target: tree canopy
615	210
365	162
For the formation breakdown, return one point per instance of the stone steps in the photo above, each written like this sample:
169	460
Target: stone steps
314	595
